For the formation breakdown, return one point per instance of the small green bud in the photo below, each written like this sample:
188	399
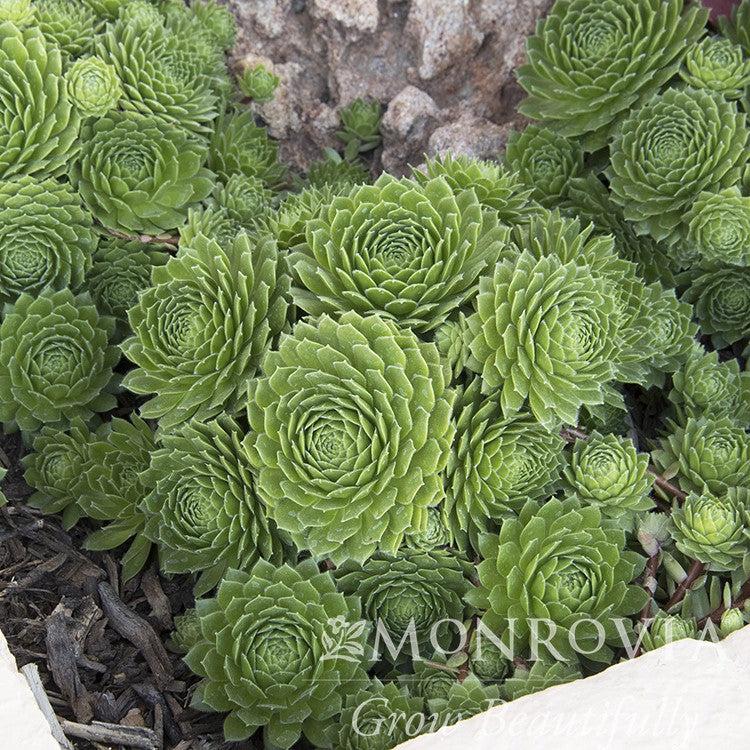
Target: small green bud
731	621
258	83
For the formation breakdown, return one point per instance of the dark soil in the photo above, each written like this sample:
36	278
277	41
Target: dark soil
65	610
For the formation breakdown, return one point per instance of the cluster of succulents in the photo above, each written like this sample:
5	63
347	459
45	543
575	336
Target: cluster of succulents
368	411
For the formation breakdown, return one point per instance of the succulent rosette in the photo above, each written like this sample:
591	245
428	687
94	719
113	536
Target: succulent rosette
718	225
39	129
203	327
243	198
496	463
112	489
452	339
67	23
379	717
496	186
186	633
411	252
55	469
412	589
664	629
717	64
287	222
721	300
120	271
486	659
431	678
350	428
673	148
557	561
544	333
673	332
590	62
56	361
138	174
203	511
545	161
714	530
46	237
707	454
606	471
239	146
703	386
360	124
268	654
161	77
539	675
435	535
464	700
735	26
93	86
258	83
213	222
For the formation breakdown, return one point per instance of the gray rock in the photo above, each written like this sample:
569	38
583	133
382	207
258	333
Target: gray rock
446	33
459	54
405	127
471	136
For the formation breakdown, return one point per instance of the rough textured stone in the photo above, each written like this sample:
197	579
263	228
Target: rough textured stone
471	136
358	15
405	126
460	54
446	33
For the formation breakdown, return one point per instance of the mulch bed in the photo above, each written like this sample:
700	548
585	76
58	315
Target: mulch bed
98	644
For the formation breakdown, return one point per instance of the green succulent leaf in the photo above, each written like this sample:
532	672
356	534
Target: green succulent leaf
39	129
46	237
545	161
258	83
666	629
93	86
708	454
56	361
360	125
464	700
539	676
557	561
721	300
349	430
544	333
56	466
139	174
411	252
496	463
714	530
203	327
286	676
120	271
704	386
239	146
606	471
718	65
496	187
591	61
413	589
670	150
378	717
67	23
203	511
